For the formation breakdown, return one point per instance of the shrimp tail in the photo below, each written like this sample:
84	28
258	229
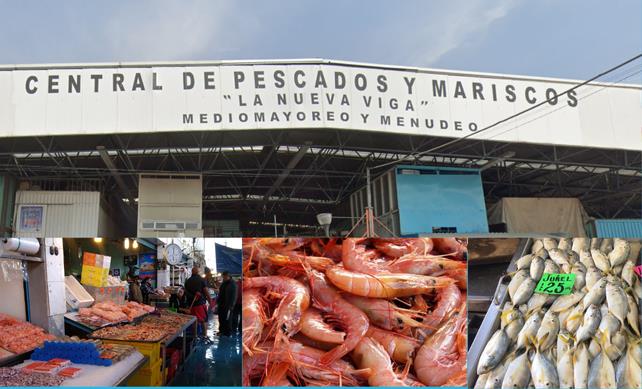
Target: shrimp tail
333	355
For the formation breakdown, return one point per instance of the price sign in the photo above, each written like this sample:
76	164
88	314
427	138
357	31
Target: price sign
552	283
638	270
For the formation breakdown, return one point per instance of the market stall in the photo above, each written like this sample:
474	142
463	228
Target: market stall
570	304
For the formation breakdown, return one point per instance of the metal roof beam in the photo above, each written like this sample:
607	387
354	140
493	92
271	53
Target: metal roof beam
294	161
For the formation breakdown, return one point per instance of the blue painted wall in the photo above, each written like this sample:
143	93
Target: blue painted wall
440	197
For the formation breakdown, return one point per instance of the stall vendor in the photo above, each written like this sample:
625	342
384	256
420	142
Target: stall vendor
225	304
135	293
198	297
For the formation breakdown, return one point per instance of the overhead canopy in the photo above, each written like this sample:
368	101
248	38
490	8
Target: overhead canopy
228	259
540	215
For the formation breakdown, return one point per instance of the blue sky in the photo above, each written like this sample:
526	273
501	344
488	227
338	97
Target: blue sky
550	38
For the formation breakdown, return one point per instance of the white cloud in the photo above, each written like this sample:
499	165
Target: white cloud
455	24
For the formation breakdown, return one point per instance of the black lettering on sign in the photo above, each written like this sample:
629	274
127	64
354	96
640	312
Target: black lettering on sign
209	80
52	85
30	84
74	84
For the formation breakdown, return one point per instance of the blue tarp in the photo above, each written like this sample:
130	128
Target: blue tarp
228	259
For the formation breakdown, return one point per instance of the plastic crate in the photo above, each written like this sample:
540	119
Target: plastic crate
152	350
147	376
76	295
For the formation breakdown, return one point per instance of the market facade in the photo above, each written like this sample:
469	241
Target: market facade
261	148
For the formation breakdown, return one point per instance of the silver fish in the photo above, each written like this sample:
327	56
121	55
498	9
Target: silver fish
517	279
565	302
580	276
529	330
580	244
517	374
496	376
481	381
628	373
537	245
573	257
493	352
617	270
606	246
601	260
595	243
551	267
547	332
537	268
574	319
559	257
549	244
565	368
594	348
620	253
525	261
593	275
581	359
589	324
544	373
632	317
596	294
564	343
617	301
542	253
565	244
524	291
601	372
512	329
609	324
536	302
586	258
615	347
628	273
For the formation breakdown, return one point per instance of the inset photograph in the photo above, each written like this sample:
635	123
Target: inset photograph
354	312
120	312
554	313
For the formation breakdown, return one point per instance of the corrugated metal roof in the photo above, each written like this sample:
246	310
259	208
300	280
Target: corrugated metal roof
619	228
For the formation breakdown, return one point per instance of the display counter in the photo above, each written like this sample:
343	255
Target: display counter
115	375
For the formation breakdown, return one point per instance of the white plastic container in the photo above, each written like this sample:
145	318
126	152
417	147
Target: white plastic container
76	295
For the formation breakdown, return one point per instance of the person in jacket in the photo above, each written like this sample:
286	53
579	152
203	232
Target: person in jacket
135	293
225	303
236	313
198	297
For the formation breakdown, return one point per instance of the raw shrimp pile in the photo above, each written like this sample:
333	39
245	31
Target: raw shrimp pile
19	337
589	338
354	312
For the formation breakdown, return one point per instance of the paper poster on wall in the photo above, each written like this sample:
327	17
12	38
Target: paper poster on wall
147	265
31	218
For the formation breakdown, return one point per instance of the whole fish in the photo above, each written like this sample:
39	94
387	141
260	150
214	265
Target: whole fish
596	294
594	348
580	244
524	291
542	253
573	257
581	359
496	376
632	317
536	302
606	246
517	374
601	372
525	261
543	372
586	259
560	258
628	273
589	324
512	321
593	275
628	374
493	352
537	268
609	324
547	332
565	368
549	244
563	303
551	267
580	276
564	343
574	319
601	260
516	280
615	346
537	245
595	243
617	302
565	244
529	330
620	253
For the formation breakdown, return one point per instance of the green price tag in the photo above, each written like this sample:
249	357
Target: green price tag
552	283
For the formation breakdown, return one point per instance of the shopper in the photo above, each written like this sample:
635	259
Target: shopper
146	288
198	297
135	293
225	304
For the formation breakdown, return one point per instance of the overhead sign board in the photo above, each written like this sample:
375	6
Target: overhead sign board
88	99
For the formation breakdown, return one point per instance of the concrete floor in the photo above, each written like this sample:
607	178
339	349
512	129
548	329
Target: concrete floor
215	364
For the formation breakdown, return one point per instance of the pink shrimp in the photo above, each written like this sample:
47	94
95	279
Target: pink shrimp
356	259
385	285
282	245
429	265
400	348
253	319
313	326
370	354
350	318
298	262
396	248
383	313
452	246
439	358
449	299
295	300
331	249
460	275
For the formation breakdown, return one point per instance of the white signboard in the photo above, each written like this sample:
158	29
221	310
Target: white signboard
154	98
